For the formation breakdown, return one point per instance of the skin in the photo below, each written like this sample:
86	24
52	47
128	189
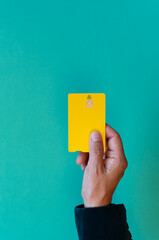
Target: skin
102	170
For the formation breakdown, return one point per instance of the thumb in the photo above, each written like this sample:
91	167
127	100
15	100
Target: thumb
96	149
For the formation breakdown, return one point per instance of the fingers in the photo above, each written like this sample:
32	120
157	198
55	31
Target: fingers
95	156
113	139
96	149
82	157
83	165
110	131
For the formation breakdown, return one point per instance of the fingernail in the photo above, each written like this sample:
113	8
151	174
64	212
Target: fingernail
96	136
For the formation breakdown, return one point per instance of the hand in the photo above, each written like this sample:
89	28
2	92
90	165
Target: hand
102	175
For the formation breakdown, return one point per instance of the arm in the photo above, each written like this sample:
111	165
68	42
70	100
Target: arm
98	218
102	223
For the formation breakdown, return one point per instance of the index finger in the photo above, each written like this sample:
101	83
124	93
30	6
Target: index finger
82	157
113	139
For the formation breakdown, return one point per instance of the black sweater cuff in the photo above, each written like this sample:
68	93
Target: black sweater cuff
102	223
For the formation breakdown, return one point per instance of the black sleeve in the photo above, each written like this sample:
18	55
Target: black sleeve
102	223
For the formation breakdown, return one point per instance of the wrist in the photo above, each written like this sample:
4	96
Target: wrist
97	204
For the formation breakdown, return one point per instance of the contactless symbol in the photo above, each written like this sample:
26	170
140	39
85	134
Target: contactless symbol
89	102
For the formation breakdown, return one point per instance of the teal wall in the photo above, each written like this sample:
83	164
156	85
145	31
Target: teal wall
47	50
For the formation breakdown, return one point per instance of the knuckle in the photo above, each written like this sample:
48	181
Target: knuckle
125	163
124	166
117	135
122	174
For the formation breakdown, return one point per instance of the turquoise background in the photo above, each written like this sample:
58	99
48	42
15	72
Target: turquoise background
47	50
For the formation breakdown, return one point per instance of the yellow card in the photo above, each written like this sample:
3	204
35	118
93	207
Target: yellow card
86	113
